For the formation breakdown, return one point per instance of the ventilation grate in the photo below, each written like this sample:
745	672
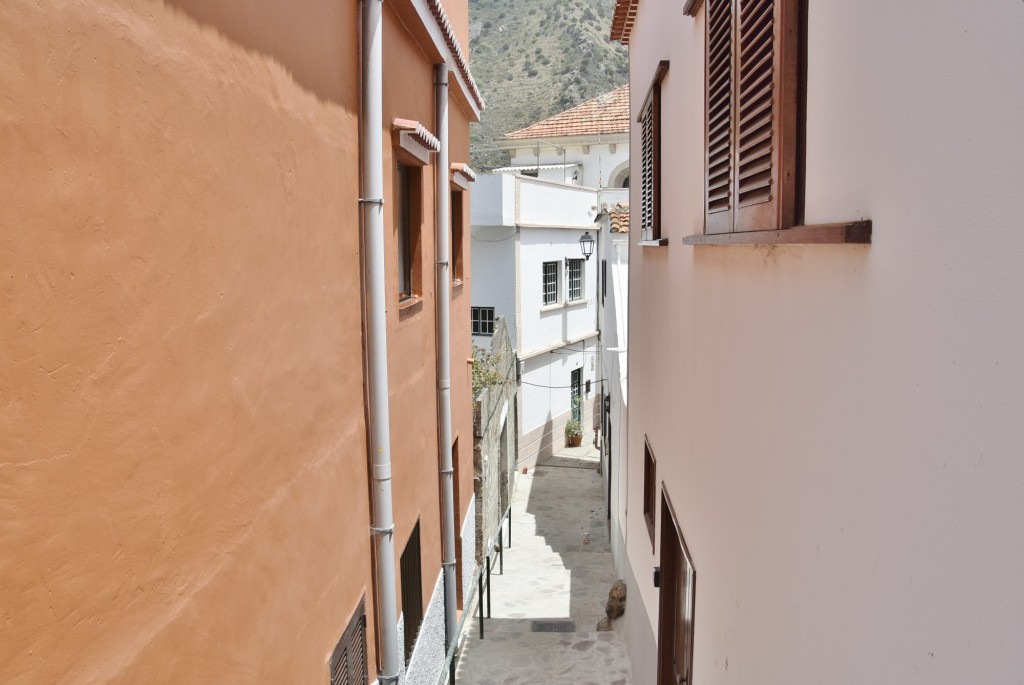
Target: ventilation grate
554	626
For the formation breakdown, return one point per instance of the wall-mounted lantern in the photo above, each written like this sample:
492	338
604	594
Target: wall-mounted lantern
587	245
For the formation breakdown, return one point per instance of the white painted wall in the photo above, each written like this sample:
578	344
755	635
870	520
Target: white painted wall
839	427
548	203
545	393
494	201
493	242
598	164
545	326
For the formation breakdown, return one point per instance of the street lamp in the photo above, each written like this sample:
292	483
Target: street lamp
587	245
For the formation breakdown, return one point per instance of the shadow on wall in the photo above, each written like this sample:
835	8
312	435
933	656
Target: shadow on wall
315	41
547	447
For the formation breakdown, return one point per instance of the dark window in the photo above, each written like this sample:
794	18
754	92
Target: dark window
575	267
550	284
650	489
456	235
412	591
483	320
604	280
574	393
348	661
407	225
753	100
650	159
676	603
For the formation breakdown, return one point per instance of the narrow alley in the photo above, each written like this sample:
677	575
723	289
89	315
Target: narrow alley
557	569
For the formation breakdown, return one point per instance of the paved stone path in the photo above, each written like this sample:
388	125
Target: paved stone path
559	567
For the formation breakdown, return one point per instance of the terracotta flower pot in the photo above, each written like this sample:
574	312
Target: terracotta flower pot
573	440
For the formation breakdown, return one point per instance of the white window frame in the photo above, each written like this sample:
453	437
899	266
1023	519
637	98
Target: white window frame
549	295
574	281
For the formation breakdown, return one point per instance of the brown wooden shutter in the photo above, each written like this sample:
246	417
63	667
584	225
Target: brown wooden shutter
348	661
759	97
647	172
650	158
719	140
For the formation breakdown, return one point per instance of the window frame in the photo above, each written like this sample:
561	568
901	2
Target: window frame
478	322
575	290
576	394
788	152
456	234
556	291
673	634
411	565
408	191
348	660
650	161
650	489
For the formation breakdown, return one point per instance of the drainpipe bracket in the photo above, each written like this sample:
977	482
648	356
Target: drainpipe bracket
389	531
446	471
372	201
382	472
447	564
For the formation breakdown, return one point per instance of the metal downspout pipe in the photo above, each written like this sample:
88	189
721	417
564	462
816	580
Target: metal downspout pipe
442	321
379	412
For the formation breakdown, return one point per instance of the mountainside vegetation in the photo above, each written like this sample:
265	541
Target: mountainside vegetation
535	58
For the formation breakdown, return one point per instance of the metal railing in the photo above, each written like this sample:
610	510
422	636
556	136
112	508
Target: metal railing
483	583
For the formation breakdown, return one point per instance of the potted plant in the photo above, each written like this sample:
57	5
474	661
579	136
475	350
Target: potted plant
573	433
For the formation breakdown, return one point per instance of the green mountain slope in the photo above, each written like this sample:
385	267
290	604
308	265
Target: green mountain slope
535	58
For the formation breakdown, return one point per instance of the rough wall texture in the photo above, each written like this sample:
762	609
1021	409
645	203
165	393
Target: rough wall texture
182	452
494	446
427	658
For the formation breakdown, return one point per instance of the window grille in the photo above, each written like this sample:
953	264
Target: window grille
483	320
412	591
550	282
575	279
574	393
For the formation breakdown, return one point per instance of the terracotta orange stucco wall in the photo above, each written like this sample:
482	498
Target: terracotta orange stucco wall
461	330
459	119
182	450
409	94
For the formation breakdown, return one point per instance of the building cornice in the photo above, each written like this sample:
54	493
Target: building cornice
429	24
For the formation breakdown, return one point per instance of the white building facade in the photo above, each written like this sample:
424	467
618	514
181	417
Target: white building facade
526	228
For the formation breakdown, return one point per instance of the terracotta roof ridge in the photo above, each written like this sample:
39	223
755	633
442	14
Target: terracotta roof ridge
461	62
606	113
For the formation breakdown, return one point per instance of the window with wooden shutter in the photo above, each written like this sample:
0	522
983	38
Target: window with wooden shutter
675	603
348	661
650	489
650	159
752	98
412	591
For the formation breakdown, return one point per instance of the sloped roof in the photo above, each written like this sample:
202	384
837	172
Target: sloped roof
618	216
622	20
608	113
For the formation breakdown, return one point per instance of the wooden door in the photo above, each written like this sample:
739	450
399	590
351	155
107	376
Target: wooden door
678	592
